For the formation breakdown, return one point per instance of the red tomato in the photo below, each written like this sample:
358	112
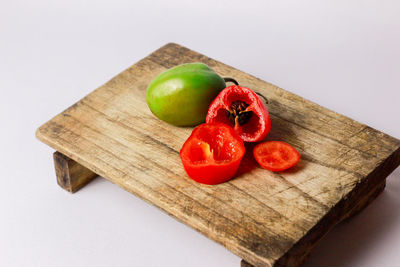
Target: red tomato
212	153
242	109
275	155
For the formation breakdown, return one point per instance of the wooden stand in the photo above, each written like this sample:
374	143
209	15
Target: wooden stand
265	218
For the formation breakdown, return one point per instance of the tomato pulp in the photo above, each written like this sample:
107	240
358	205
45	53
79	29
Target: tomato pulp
276	155
212	153
242	109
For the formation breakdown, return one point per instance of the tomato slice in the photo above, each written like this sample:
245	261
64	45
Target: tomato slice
276	155
212	153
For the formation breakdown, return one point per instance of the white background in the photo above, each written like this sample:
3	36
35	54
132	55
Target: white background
344	55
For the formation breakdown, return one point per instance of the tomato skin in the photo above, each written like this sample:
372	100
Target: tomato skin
252	130
276	155
212	153
211	174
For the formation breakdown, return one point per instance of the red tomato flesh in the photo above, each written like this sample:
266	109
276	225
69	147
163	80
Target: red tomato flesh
212	153
276	155
242	109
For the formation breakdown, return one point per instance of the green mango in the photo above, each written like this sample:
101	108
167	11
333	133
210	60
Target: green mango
181	95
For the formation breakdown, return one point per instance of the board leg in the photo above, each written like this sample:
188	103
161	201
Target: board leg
71	175
365	201
244	263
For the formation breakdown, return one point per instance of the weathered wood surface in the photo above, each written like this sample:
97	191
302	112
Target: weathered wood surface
71	175
268	219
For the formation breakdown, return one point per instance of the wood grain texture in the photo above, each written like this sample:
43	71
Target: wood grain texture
71	175
268	219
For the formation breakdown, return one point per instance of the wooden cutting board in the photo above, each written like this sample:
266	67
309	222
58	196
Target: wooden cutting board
266	218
